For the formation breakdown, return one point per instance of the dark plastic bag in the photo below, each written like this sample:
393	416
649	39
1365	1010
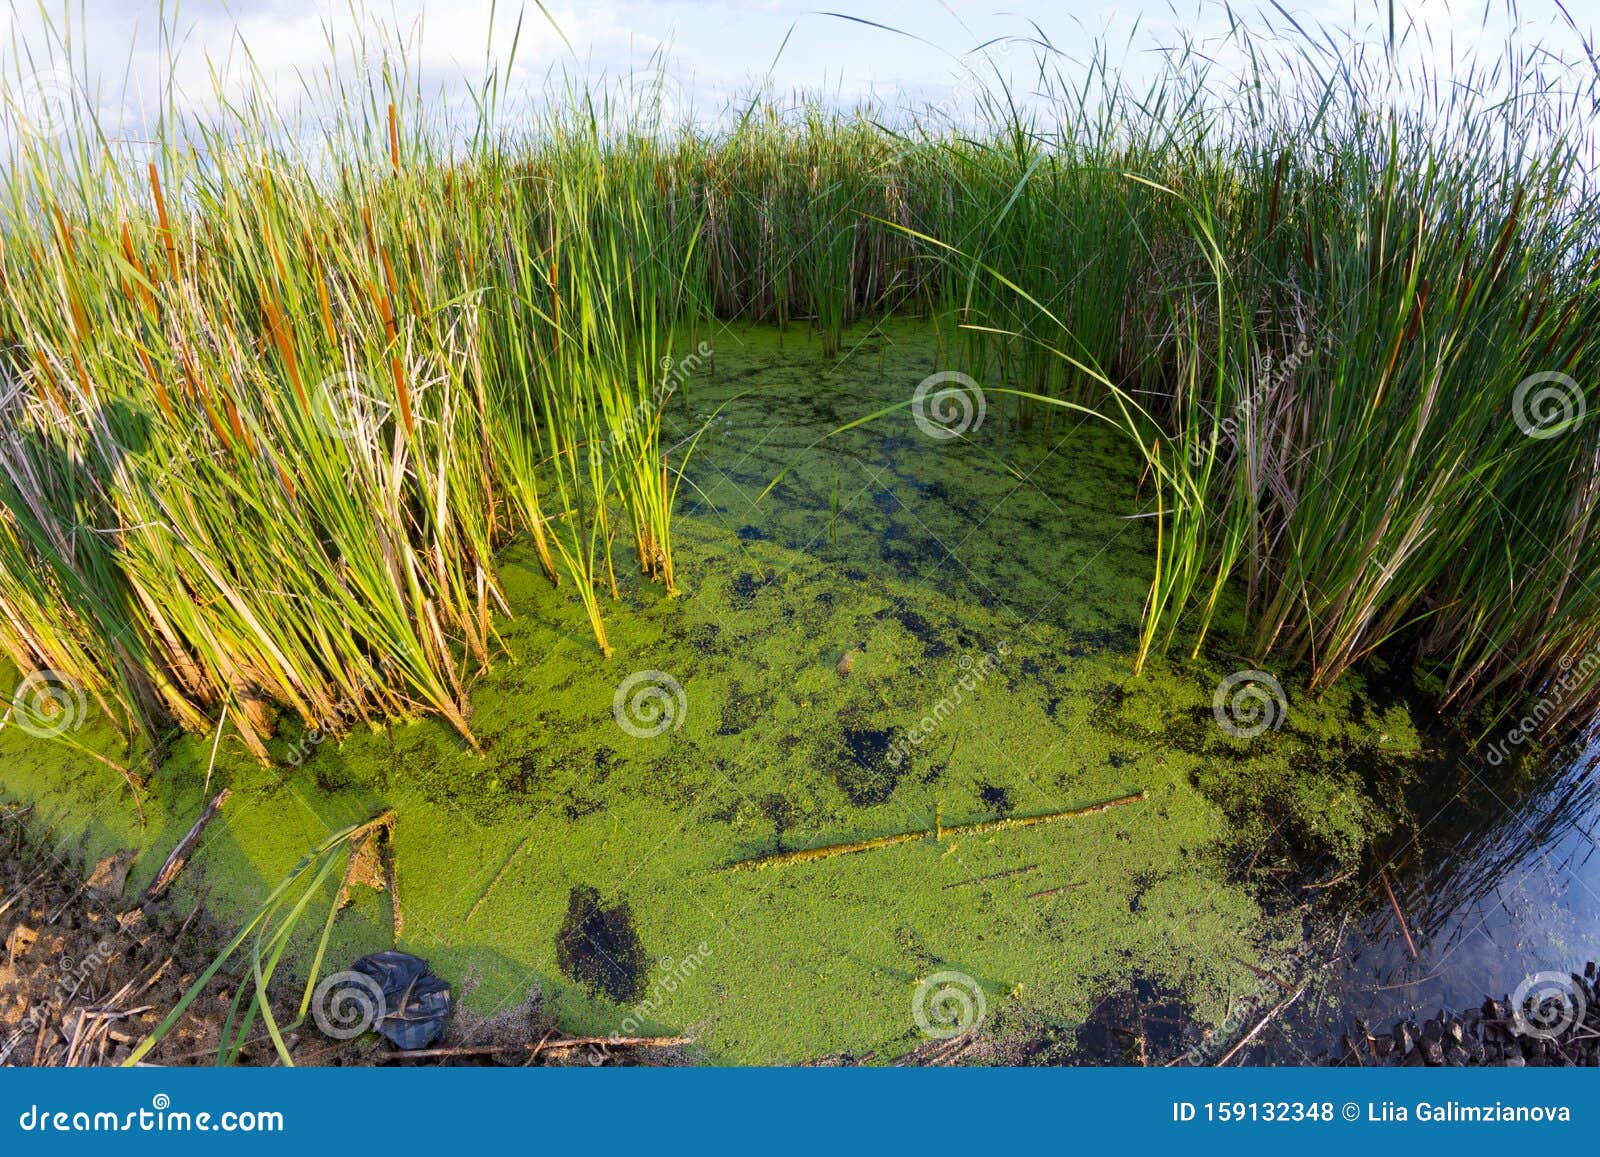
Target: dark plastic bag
416	1003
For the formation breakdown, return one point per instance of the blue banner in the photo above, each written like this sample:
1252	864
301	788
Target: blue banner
800	1111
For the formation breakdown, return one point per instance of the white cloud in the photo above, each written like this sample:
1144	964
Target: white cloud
717	48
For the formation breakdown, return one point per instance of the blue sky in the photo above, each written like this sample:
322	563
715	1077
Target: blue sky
717	48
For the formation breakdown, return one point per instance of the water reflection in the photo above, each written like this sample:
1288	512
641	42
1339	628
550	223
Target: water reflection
1494	886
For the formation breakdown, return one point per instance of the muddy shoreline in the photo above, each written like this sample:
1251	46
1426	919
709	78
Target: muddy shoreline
86	973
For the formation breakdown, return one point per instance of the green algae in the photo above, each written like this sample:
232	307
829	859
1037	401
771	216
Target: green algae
923	558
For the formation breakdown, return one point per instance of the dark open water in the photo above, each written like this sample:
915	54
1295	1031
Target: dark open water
1495	886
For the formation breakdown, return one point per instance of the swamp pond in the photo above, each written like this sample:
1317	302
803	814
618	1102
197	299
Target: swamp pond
909	632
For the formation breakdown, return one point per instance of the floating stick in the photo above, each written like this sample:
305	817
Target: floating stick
180	854
938	831
498	876
1398	915
992	876
1261	1024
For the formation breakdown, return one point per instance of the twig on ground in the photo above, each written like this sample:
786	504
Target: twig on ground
180	854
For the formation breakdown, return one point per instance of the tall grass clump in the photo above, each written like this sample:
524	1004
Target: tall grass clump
1402	430
269	413
1363	369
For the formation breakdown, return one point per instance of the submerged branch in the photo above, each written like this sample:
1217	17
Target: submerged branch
984	827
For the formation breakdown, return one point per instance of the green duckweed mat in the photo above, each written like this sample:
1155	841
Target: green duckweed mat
987	590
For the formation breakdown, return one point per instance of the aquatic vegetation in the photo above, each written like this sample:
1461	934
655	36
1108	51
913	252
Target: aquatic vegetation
267	420
272	414
775	747
1363	298
270	932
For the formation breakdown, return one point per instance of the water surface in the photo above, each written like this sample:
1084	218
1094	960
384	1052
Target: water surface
908	633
